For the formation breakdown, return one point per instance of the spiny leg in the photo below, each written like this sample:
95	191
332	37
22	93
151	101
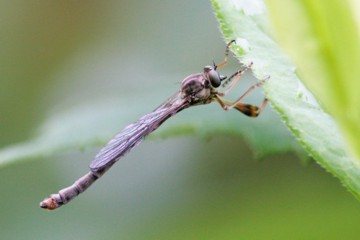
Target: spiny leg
247	109
237	77
227	50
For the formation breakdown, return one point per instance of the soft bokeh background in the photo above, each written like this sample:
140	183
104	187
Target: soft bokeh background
56	55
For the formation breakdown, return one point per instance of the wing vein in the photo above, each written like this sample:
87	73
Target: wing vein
134	133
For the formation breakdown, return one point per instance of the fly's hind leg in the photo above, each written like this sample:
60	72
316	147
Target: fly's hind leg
247	109
246	94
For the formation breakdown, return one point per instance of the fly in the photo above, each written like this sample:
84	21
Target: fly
196	89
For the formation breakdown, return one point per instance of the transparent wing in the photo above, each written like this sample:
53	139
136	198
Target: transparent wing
133	134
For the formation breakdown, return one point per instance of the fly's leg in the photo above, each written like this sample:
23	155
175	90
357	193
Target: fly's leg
227	50
237	77
246	94
247	109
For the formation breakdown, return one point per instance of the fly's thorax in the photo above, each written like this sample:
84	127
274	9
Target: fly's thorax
195	87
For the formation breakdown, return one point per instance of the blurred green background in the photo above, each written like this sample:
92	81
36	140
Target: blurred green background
133	54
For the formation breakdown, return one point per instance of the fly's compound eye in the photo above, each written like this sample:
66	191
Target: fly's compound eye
214	77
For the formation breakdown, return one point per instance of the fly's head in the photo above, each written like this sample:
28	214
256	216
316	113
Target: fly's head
213	76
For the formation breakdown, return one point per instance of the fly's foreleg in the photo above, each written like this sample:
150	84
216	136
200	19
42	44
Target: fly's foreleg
227	51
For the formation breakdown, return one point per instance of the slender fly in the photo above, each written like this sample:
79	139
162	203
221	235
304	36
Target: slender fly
196	89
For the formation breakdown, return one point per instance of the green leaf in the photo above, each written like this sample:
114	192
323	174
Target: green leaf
325	45
245	21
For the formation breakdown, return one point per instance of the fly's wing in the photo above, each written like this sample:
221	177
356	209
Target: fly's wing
133	134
